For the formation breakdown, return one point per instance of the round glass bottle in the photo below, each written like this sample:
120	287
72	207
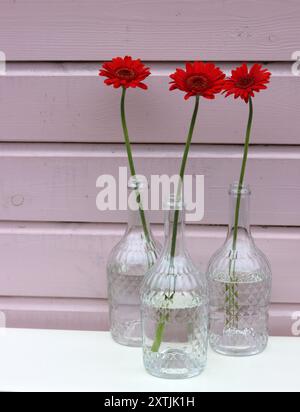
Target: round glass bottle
240	280
175	309
128	262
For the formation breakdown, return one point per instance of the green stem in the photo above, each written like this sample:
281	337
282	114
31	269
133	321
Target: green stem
182	172
242	175
159	333
231	290
160	329
131	164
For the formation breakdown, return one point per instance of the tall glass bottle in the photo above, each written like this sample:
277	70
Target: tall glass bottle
128	262
240	279
175	309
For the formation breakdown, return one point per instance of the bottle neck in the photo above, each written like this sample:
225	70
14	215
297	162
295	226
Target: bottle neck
137	191
242	205
134	220
170	217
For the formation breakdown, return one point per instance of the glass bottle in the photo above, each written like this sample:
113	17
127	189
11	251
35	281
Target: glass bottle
240	282
128	262
175	309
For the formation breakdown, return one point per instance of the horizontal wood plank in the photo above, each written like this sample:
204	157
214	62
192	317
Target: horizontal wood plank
55	182
69	260
150	29
92	315
69	103
55	313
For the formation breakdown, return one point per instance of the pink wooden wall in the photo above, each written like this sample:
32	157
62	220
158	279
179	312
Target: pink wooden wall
60	130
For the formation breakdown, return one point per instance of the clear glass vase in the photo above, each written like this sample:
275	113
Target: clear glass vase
240	280
175	309
128	262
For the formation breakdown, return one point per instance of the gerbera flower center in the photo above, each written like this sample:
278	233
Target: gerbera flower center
125	74
197	82
245	82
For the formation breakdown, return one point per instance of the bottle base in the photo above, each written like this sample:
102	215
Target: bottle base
127	333
237	352
172	364
238	343
129	343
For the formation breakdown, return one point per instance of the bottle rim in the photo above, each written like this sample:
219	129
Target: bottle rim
236	190
138	183
174	202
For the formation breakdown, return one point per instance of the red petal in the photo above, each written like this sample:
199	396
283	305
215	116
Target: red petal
143	86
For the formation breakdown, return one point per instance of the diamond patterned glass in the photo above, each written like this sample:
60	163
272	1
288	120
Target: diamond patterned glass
239	281
175	311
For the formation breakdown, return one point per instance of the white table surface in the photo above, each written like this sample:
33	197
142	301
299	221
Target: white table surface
40	360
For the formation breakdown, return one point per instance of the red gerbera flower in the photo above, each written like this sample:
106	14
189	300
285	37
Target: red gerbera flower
125	72
244	82
199	79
